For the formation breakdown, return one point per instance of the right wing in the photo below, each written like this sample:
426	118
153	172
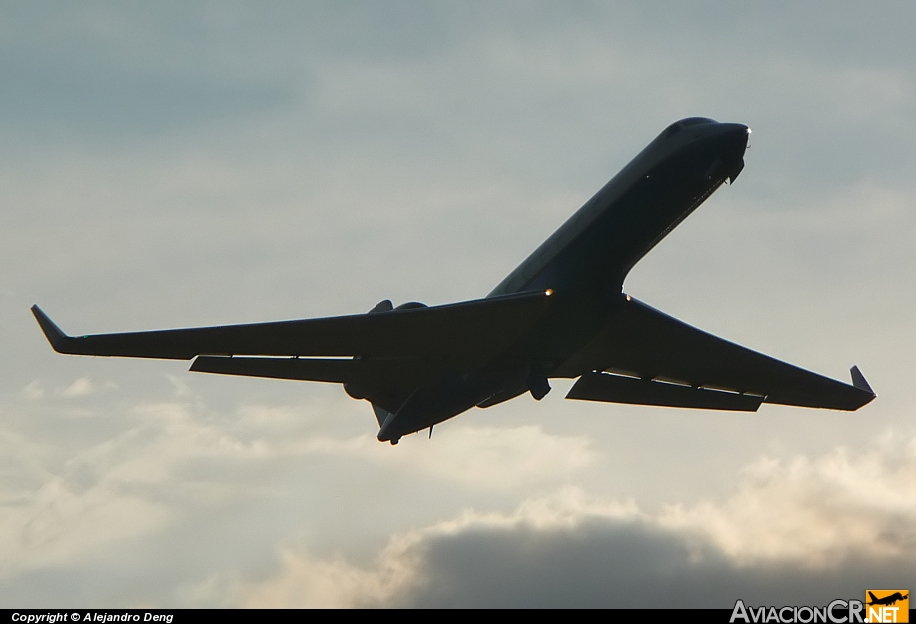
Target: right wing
467	332
663	361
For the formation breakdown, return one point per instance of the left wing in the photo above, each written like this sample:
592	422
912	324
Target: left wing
471	331
660	360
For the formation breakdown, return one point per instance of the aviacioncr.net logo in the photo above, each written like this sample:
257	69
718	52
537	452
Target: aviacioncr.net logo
838	612
881	605
887	605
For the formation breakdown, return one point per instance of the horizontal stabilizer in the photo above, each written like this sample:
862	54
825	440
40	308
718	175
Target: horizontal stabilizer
467	331
620	389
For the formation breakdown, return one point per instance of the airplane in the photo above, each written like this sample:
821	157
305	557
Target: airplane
561	314
887	600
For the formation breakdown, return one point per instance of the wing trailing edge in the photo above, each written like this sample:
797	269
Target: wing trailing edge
358	371
611	388
303	369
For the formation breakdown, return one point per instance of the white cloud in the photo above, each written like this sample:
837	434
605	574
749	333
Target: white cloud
491	457
79	388
304	582
82	387
68	501
34	390
61	525
813	512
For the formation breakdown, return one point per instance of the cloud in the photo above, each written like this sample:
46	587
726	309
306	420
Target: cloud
81	387
800	529
494	458
813	513
797	528
60	524
136	476
34	390
238	165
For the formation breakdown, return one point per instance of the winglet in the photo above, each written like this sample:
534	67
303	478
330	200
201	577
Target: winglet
58	339
858	380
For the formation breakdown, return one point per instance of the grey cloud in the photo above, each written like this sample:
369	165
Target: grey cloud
623	565
608	563
799	531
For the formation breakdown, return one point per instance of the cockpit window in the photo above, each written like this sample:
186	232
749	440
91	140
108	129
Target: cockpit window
677	126
695	121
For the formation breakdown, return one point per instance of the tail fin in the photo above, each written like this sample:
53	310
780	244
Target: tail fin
870	595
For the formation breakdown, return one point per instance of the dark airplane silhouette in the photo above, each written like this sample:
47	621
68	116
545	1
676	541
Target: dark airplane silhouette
561	313
887	600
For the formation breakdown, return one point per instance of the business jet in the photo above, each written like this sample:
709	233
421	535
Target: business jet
561	314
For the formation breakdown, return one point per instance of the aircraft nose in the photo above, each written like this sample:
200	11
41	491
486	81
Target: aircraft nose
736	136
732	141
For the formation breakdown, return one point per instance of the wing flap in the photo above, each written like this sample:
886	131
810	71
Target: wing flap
618	389
468	330
650	344
327	370
362	372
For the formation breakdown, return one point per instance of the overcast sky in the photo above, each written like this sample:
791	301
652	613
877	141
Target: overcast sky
193	163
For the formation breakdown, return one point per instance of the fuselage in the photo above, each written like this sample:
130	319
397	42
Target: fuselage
584	264
591	253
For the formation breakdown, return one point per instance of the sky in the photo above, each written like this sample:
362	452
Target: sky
196	163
